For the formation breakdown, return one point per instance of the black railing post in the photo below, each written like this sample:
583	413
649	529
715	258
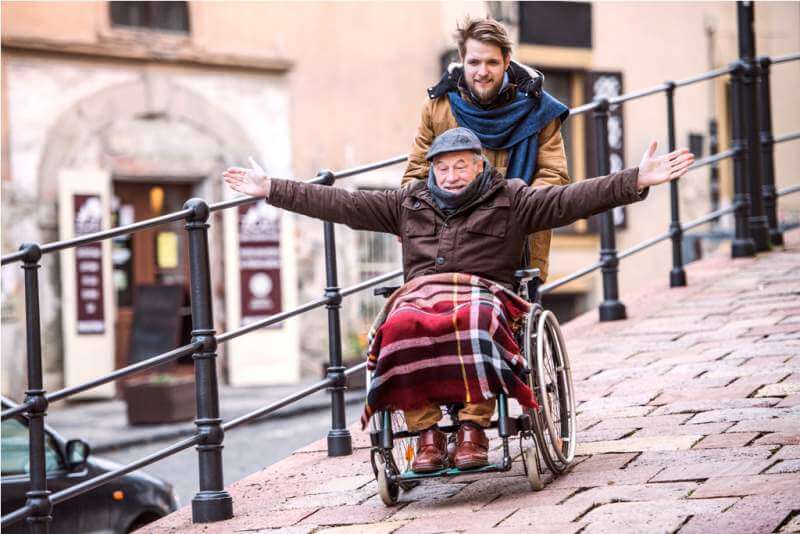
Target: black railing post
713	148
339	439
767	142
742	245
759	229
38	495
611	309
677	276
212	502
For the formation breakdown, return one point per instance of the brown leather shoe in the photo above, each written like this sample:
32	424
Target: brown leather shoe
472	447
431	451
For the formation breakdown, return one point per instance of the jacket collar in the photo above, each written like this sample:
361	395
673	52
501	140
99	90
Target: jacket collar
521	78
422	193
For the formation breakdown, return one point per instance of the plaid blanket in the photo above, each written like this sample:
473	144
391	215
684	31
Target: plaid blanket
446	338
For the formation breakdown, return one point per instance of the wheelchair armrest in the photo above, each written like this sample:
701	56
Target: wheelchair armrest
385	291
523	275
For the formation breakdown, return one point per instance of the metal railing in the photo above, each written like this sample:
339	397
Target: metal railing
755	229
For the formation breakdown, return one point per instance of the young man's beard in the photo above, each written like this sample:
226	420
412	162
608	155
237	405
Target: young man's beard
484	96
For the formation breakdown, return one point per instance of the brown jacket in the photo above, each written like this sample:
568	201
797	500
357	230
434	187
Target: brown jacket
484	238
551	162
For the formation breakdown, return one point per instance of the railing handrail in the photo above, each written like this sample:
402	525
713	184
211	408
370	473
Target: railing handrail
196	211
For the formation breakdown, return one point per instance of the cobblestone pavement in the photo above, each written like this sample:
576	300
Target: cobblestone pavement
689	421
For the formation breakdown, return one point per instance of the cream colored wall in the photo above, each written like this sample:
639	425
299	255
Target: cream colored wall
359	69
72	21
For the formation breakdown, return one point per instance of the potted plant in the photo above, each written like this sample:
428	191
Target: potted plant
160	398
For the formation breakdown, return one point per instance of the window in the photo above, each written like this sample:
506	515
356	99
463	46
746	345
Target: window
559	84
14	453
377	254
168	16
556	24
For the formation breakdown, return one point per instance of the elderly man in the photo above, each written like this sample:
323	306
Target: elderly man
503	102
447	335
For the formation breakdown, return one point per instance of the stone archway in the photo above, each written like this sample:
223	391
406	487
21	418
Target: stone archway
152	98
151	127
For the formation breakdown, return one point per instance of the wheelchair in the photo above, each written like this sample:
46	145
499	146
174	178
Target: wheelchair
547	435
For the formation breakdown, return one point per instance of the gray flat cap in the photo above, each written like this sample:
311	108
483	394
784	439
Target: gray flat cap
454	140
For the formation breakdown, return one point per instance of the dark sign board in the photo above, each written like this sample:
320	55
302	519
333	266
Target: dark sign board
259	261
157	320
88	218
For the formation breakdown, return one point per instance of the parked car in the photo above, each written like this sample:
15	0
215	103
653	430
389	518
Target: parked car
119	506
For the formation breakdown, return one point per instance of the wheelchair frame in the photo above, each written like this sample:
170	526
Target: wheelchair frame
554	440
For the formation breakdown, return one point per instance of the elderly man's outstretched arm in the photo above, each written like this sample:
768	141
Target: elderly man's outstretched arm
540	208
378	211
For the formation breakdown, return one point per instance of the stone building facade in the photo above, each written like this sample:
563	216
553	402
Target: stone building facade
152	115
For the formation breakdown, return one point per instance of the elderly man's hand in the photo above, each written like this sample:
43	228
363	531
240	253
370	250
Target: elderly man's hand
655	170
253	182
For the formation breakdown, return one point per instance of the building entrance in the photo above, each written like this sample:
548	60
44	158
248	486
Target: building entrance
151	274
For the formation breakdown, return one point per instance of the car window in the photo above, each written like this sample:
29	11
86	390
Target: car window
14	453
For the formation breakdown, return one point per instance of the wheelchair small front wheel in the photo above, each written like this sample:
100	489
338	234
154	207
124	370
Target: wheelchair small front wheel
388	490
532	468
403	449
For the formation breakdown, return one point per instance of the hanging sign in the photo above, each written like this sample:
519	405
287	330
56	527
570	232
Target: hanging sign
88	218
259	261
607	85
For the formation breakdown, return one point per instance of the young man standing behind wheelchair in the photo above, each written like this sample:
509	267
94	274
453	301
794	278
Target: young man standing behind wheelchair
519	126
465	218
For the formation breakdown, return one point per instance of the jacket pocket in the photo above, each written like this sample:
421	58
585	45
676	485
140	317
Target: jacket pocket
489	219
420	219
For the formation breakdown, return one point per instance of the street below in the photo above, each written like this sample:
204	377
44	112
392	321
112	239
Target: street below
248	449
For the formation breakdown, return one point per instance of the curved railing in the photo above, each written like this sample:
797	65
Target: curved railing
755	229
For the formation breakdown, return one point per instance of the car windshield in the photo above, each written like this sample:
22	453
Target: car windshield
14	453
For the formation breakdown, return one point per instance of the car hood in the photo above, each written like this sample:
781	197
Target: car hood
108	465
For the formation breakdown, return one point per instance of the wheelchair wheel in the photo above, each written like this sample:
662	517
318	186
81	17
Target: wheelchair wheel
388	491
403	449
533	470
553	378
551	381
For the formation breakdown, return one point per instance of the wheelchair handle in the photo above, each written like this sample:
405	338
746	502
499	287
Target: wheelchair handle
385	291
523	275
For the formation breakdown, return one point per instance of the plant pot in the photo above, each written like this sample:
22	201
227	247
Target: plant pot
152	401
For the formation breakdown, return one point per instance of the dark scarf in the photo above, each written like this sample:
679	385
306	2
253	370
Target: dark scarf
449	202
513	127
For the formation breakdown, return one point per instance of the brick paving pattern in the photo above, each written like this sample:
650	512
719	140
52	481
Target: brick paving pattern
688	417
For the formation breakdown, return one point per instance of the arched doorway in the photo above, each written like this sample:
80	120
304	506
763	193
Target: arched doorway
158	144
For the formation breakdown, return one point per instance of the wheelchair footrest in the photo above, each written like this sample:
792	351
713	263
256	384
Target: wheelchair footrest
449	472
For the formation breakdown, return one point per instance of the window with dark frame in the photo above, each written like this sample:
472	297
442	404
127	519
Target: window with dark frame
556	24
161	16
558	82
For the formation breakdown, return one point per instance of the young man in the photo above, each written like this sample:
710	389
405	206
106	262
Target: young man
502	101
463	231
